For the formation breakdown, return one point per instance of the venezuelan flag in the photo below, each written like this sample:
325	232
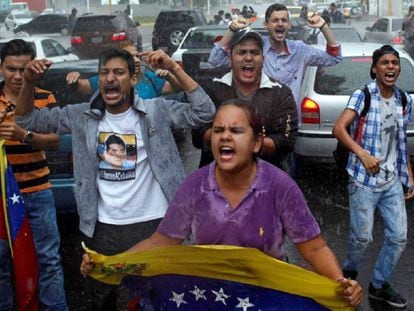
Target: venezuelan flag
216	277
15	224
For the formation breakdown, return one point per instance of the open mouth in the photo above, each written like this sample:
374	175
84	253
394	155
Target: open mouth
390	76
111	91
248	70
280	32
226	153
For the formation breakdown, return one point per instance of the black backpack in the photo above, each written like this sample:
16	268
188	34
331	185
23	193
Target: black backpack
341	153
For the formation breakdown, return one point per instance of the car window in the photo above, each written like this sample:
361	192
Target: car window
337	80
48	49
346	35
88	24
381	25
200	39
22	16
60	50
397	24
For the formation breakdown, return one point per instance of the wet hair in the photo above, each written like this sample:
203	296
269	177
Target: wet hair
275	7
17	47
114	139
114	52
252	115
333	5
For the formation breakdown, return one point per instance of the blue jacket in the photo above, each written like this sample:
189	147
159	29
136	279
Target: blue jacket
157	117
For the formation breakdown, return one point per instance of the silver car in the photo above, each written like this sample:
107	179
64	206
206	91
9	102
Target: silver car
325	93
386	30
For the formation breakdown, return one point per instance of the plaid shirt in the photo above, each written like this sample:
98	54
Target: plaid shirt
371	135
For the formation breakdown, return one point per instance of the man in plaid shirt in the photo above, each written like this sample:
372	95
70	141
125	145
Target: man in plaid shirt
380	172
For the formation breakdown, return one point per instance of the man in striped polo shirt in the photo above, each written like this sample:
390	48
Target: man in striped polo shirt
25	154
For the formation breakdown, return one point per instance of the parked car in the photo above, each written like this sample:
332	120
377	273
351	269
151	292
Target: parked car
386	30
294	11
94	33
343	33
60	162
171	26
203	38
325	93
47	48
350	8
52	11
17	18
44	24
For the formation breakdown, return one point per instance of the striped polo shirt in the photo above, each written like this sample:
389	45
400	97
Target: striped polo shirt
29	164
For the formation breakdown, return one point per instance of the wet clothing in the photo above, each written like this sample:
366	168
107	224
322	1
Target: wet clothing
276	106
149	86
337	17
273	207
384	135
372	136
156	117
289	66
32	174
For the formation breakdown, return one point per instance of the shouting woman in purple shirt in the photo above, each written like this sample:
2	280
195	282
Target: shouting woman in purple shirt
241	200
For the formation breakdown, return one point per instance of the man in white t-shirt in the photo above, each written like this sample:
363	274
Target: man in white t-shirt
119	205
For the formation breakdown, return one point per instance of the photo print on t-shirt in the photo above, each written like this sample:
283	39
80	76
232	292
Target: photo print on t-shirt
117	156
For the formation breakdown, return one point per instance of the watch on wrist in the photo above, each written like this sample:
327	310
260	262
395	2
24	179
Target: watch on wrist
28	137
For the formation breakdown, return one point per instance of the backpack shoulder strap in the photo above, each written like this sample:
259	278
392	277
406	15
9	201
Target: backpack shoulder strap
403	98
367	101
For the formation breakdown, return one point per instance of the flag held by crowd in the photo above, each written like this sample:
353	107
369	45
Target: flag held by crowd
14	226
216	277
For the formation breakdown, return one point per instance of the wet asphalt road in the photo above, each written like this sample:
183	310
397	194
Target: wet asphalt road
326	196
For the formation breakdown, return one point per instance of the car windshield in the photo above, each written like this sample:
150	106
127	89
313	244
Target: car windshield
337	80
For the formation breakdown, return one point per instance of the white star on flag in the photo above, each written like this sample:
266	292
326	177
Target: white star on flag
15	198
244	303
220	296
198	293
178	299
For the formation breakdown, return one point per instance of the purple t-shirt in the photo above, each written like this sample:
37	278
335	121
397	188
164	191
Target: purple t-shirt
273	207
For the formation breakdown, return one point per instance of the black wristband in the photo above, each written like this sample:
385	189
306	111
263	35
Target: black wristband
231	29
324	23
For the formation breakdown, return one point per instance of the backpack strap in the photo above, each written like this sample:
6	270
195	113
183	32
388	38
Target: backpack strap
403	99
367	101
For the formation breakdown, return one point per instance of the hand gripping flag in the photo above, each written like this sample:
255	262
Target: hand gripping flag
216	277
14	222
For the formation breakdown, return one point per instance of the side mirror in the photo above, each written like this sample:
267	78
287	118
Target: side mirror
69	50
137	24
368	28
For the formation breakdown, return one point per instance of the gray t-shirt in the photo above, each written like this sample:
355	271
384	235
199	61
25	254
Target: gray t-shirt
389	132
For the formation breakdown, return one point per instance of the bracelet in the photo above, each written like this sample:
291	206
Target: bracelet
324	23
231	29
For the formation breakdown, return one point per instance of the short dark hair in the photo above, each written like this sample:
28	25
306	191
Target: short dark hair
114	139
274	7
251	112
17	47
115	52
378	53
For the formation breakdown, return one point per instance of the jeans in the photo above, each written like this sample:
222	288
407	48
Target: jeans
41	211
110	240
362	204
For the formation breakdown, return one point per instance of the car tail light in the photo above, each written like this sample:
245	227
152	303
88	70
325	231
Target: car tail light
76	40
119	36
398	40
310	111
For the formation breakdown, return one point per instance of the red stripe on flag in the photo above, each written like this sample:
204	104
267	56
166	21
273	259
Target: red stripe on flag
26	270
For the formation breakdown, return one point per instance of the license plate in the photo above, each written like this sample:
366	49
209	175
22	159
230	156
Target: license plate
97	40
